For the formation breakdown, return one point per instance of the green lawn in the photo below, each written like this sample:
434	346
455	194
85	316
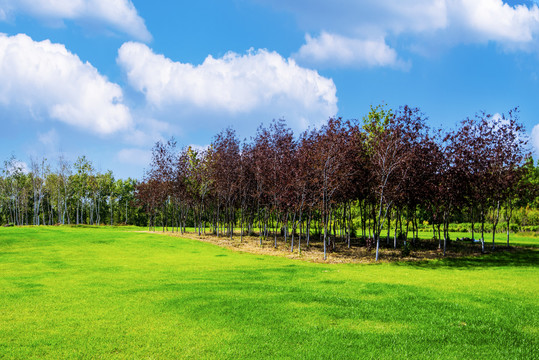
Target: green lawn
518	239
113	293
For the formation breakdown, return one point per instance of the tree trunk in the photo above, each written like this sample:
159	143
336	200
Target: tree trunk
495	224
508	215
446	230
482	230
276	227
388	226
377	233
439	237
308	228
397	218
349	225
473	224
241	225
293	231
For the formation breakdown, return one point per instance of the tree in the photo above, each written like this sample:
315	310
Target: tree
506	146
224	166
389	156
39	171
80	180
331	146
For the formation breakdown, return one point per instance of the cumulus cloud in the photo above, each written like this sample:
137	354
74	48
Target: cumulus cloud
258	82
494	20
335	50
352	24
46	80
119	15
368	18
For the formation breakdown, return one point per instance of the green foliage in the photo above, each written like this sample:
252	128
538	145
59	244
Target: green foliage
375	122
526	216
88	292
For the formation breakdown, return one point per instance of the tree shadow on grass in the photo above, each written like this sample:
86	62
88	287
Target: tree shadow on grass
513	257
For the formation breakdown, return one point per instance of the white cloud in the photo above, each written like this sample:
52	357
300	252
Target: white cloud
119	15
335	50
135	156
366	18
46	80
349	25
493	20
258	83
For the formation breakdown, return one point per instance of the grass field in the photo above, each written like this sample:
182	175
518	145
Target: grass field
518	239
115	293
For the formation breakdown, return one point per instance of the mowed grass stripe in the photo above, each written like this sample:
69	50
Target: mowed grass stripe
111	293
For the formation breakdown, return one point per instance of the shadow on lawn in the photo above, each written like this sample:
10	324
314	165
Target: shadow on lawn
514	257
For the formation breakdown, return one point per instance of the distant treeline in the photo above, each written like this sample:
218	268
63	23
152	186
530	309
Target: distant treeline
65	193
347	178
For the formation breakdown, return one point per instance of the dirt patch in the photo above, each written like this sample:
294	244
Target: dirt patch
340	253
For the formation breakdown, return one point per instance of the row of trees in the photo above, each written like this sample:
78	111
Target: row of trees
68	194
385	171
346	180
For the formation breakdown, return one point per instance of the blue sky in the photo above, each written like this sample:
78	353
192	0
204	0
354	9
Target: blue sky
108	78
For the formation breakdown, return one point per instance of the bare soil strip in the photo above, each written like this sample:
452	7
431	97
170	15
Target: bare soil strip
424	250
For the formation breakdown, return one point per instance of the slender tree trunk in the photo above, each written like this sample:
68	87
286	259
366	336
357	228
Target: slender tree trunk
349	233
482	230
509	214
439	237
407	226
276	219
232	221
473	224
241	224
325	219
363	219
293	231
377	235
259	223
325	236
446	230
308	227
495	224
285	227
397	216
388	226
